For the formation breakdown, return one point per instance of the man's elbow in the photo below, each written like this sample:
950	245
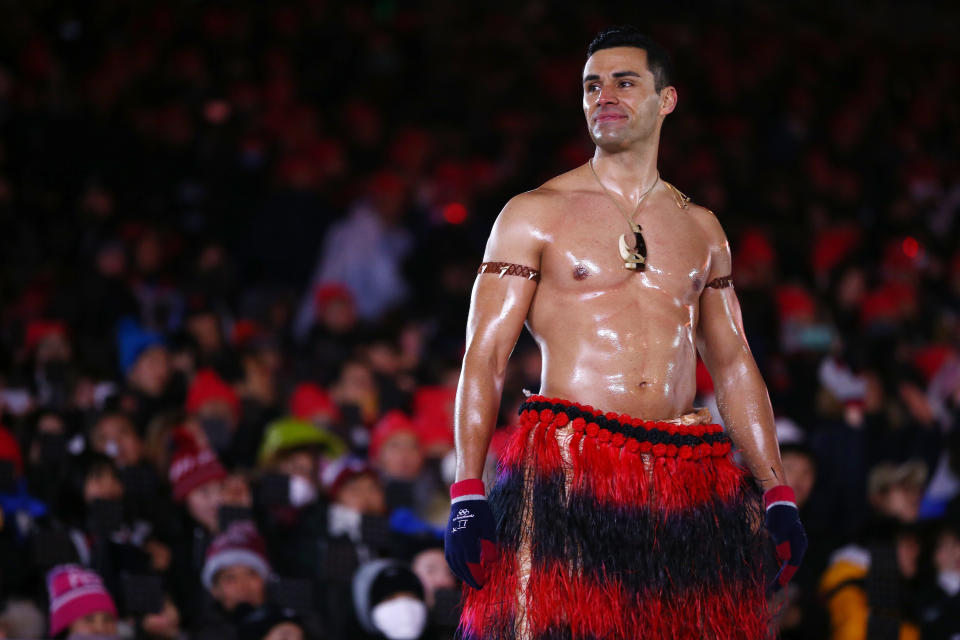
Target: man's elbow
482	360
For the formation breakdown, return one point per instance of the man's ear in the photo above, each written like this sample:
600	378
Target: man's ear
668	100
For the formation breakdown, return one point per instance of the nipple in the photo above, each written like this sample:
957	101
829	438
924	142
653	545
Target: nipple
580	272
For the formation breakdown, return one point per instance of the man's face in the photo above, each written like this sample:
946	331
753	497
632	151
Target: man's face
620	101
236	585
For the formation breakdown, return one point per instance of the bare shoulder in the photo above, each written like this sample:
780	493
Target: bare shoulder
535	209
709	223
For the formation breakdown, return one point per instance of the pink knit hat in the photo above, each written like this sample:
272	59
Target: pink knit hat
75	592
192	466
241	545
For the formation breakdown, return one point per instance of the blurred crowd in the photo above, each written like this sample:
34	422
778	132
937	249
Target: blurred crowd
238	241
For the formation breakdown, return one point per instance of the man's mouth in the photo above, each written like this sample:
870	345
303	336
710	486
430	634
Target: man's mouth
608	117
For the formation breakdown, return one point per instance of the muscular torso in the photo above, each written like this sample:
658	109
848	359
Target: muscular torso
618	339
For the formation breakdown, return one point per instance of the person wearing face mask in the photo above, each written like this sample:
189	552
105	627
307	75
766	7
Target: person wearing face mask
216	405
388	600
287	493
200	485
939	598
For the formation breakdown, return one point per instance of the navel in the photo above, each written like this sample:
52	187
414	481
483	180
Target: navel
643	384
580	272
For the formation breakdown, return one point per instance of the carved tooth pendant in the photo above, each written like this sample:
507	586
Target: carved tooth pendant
630	257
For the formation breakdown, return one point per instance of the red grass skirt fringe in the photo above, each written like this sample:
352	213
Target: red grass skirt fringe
610	527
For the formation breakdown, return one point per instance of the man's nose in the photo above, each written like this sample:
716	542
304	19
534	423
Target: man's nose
606	95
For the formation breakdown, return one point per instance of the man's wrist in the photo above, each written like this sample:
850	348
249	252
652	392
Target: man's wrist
469	489
779	495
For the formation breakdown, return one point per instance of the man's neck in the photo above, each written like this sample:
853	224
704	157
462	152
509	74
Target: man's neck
629	173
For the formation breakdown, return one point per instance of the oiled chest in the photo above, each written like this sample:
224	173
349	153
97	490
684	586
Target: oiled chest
584	253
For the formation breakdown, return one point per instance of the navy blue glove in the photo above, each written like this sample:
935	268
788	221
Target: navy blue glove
469	542
783	523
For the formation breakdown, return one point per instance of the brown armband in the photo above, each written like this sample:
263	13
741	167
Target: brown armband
509	269
721	283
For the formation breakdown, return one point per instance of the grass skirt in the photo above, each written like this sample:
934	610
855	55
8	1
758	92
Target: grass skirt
617	528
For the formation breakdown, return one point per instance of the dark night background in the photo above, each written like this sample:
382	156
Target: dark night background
293	197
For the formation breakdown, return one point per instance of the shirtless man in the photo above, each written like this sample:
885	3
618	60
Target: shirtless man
621	281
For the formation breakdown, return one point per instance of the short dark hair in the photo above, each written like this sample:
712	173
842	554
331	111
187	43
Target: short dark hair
658	60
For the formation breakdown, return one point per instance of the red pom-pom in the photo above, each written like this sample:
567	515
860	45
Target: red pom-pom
671	450
645	446
562	419
579	424
618	439
632	445
592	429
659	449
610	415
624	419
604	435
546	416
685	452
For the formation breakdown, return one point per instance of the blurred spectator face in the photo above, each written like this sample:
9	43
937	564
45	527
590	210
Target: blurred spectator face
946	554
432	569
388	195
53	348
801	475
218	422
400	456
238	585
96	625
363	494
620	111
908	553
111	261
384	358
165	624
357	387
900	501
339	316
205	329
300	463
203	504
114	435
149	254
102	484
151	372
285	631
915	400
49	424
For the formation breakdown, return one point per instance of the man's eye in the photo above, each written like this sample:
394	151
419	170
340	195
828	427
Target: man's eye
626	83
592	87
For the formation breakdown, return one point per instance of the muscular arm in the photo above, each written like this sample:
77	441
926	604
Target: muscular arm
741	393
498	308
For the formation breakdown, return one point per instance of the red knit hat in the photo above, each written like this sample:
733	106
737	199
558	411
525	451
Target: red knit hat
192	466
433	415
339	472
310	400
10	449
394	422
241	545
208	386
75	592
39	330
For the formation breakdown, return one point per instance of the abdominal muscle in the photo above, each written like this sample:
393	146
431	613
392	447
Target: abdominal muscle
634	359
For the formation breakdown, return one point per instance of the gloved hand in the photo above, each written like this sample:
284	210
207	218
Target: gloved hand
783	523
470	537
